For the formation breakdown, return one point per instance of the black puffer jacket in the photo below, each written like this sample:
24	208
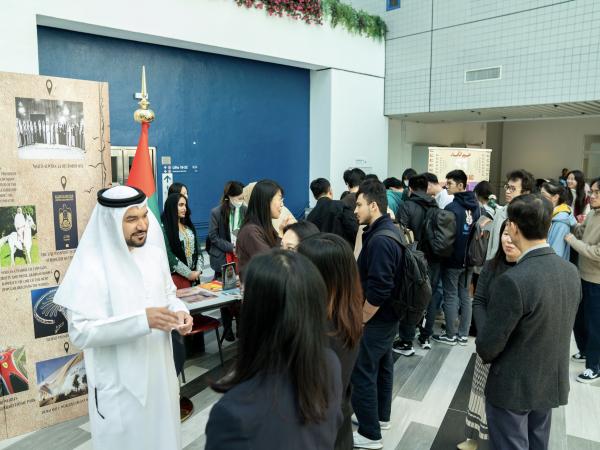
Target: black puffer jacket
412	212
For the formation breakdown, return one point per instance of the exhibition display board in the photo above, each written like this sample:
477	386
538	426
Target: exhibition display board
475	162
55	156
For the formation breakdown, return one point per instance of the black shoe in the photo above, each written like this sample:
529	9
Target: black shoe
424	342
229	336
589	376
404	348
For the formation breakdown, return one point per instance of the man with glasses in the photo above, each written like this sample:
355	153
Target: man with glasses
586	241
518	182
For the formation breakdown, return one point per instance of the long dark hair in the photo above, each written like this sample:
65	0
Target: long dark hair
335	260
580	199
282	329
259	209
170	220
232	189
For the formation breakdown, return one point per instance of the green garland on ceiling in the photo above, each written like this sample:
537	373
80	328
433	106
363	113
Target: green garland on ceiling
312	12
354	21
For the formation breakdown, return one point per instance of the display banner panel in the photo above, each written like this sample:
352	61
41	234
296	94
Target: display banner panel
475	162
54	157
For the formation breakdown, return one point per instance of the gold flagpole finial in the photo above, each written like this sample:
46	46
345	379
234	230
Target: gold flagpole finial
143	114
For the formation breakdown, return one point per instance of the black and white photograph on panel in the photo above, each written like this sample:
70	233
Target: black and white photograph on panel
49	129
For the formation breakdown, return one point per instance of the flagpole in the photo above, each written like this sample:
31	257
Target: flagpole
141	174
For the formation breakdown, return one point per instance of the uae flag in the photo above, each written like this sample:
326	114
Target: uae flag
141	175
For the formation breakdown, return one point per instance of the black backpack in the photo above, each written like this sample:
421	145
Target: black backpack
411	301
439	233
477	243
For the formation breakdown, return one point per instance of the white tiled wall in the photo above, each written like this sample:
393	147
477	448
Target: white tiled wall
549	51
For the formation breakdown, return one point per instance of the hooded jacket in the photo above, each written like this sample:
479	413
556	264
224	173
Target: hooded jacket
562	221
467	211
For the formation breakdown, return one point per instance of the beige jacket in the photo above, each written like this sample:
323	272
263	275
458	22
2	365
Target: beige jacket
587	244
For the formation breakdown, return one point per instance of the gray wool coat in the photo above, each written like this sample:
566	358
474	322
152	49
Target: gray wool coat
527	332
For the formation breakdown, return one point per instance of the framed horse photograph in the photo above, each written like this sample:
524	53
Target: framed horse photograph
18	236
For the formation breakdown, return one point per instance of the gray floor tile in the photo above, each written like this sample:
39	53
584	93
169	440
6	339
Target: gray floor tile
403	369
558	431
420	381
64	436
417	437
198	444
575	443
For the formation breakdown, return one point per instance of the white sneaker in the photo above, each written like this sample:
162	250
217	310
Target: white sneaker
382	425
362	442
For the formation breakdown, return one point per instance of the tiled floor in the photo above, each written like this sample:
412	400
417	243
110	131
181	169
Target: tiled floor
430	398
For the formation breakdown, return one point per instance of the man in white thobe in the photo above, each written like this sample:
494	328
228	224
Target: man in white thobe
121	307
20	224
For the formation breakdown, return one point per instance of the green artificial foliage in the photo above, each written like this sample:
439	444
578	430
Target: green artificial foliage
313	11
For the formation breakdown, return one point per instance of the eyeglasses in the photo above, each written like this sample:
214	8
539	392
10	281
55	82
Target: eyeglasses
509	188
594	192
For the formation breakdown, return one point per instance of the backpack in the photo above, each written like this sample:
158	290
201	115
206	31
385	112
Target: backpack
439	233
411	301
477	243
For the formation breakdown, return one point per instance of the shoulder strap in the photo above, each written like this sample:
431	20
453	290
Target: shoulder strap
391	234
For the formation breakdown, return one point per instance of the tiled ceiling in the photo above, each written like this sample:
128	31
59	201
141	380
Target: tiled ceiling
511	113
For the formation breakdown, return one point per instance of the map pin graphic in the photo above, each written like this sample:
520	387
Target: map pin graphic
56	276
63	182
49	86
66	346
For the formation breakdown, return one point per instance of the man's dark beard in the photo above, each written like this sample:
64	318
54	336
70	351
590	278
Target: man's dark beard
130	242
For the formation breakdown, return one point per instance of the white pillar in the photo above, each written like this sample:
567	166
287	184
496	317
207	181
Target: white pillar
347	126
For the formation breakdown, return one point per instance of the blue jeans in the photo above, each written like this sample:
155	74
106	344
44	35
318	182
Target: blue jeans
436	299
373	378
590	307
456	297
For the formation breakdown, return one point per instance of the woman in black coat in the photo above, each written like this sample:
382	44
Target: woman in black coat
335	260
285	389
225	223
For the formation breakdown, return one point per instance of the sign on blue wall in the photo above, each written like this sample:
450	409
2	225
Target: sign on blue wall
219	118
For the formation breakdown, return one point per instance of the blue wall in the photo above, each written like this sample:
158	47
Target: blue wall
250	120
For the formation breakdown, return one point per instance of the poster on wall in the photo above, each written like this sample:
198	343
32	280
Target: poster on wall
54	157
475	162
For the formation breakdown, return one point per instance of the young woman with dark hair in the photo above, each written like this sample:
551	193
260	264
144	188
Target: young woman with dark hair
258	235
562	217
335	260
225	223
295	233
476	421
178	188
285	387
578	198
181	241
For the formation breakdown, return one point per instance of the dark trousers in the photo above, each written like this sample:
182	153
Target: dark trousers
587	325
518	430
436	299
373	378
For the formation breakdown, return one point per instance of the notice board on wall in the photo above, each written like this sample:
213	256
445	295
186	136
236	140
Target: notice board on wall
54	157
475	162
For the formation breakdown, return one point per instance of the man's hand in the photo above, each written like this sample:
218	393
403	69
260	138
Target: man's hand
162	319
185	322
569	237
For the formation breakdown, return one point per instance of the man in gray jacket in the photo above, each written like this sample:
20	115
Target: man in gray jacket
527	332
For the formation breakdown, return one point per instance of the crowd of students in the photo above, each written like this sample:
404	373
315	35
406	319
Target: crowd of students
320	320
